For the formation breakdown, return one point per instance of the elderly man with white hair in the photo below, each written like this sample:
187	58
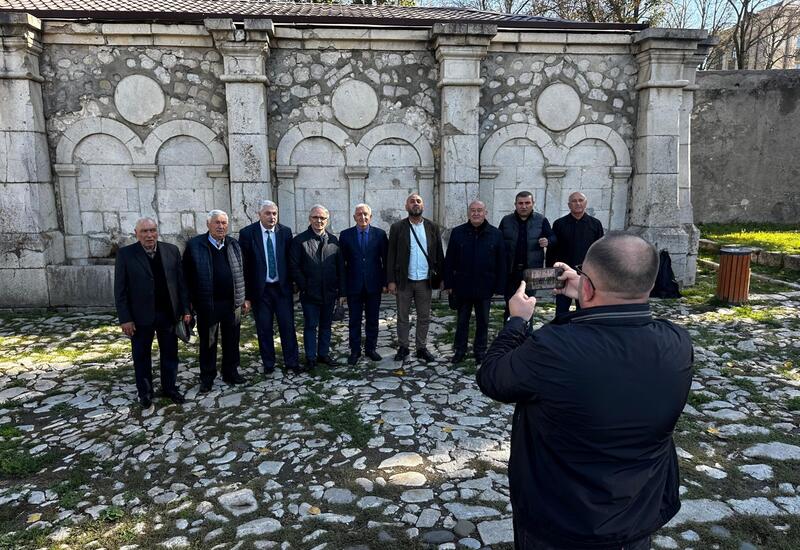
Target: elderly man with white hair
268	285
212	264
151	297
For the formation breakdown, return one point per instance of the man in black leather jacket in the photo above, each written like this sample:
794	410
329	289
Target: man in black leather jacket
597	393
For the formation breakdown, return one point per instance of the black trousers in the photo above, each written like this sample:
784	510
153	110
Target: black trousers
222	325
163	328
524	540
465	307
274	304
368	304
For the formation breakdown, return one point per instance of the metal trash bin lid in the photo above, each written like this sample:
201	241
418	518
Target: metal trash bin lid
735	250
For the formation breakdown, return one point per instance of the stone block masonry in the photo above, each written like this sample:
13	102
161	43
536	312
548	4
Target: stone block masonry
108	122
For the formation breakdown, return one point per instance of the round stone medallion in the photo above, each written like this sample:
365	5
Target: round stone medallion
558	107
354	103
138	98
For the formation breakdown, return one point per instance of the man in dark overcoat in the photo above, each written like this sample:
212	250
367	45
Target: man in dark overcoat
151	297
474	270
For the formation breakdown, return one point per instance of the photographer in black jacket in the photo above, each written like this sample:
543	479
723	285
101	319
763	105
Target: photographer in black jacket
597	393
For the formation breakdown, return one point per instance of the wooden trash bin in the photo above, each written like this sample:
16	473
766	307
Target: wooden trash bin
733	275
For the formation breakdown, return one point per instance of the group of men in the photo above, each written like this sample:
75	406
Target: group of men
598	391
220	278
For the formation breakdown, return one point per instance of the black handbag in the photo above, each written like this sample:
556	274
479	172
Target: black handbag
338	312
184	331
434	274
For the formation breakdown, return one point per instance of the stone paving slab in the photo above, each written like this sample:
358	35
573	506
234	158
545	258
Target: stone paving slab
380	455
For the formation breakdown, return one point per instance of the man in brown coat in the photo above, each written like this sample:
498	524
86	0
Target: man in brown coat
413	269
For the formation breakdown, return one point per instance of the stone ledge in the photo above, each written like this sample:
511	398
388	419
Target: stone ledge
759	256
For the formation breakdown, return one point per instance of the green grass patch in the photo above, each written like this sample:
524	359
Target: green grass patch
344	418
697	399
23	538
767	236
793	404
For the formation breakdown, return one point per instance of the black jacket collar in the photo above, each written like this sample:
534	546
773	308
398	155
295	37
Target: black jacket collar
623	314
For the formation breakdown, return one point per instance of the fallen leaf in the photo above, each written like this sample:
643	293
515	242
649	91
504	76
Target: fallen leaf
447	429
399	372
33	518
314	510
263	450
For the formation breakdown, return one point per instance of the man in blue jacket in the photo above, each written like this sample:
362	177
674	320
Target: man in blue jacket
268	286
474	270
597	393
212	264
364	250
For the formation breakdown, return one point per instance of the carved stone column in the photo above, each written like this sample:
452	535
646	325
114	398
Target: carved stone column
29	236
555	184
459	50
662	55
245	52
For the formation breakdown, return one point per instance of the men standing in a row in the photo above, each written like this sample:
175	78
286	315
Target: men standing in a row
268	287
413	269
575	233
212	263
526	234
317	268
474	270
151	297
364	250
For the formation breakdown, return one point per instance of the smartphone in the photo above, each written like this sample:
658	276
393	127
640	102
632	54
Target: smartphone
542	278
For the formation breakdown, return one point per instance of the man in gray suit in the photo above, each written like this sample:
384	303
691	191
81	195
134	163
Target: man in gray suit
151	297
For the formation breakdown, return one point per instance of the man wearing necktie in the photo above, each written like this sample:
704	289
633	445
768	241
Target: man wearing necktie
364	249
268	286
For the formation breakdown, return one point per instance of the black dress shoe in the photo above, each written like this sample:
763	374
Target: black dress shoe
269	370
425	355
235	379
373	355
457	357
402	353
205	387
177	397
479	357
310	365
146	401
326	360
353	358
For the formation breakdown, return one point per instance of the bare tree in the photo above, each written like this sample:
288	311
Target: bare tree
601	11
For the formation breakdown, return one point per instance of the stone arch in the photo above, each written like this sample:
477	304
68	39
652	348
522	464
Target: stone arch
98	192
164	132
602	133
97	125
311	162
598	164
385	155
513	158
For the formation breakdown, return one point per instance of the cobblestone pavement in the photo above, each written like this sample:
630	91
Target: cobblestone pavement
381	455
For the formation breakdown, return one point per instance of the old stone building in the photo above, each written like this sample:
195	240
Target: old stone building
108	114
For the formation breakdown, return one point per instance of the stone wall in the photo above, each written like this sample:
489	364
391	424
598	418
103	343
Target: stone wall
745	131
110	122
351	126
555	124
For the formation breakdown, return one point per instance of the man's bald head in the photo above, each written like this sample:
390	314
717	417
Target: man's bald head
623	265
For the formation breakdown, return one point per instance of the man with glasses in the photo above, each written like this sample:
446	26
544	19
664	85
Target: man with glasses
598	394
317	268
575	233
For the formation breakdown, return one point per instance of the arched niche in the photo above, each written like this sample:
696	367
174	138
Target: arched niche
185	176
99	196
598	164
310	165
390	162
515	158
